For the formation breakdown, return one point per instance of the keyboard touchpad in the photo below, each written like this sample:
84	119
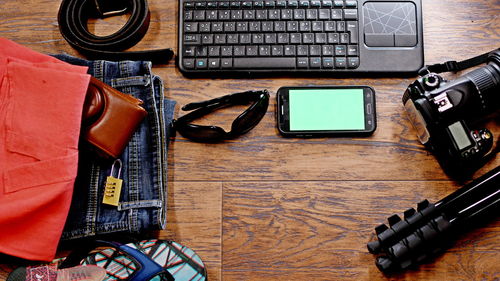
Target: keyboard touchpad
390	24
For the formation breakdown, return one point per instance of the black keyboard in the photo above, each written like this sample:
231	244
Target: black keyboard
299	36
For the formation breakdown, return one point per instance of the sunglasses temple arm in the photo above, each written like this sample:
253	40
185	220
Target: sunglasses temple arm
237	97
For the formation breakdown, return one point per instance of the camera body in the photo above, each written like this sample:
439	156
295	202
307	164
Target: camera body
444	112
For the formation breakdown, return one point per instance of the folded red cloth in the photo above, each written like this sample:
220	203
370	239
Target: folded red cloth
41	100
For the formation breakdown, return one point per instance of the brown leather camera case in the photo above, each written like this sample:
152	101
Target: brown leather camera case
110	118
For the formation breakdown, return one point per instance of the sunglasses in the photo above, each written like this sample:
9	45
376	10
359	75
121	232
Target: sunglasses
242	124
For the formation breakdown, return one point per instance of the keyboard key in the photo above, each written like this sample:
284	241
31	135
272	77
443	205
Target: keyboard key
201	51
315	62
327	50
227	63
333	38
296	38
352	28
224	5
351	3
315	50
201	63
252	51
268	63
286	14
232	39
239	51
207	39
352	50
340	62
214	51
330	26
344	38
269	4
302	50
292	26
270	38
226	51
302	63
350	14
304	3
258	4
317	26
315	3
340	50
336	14
290	50
293	3
299	14
328	62
312	14
188	63
245	39
324	14
340	26
189	51
192	39
320	38
199	15
277	50
283	38
190	27
353	62
264	50
200	5
308	38
281	3
338	3
327	4
213	63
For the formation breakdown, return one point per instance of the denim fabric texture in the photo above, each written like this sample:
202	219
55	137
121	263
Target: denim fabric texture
144	173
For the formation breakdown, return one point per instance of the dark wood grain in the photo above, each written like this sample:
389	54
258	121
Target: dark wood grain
263	207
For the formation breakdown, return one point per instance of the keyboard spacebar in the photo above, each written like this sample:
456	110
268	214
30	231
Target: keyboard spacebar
264	63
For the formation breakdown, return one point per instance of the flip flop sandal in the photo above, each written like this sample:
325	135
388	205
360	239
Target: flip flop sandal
51	273
155	260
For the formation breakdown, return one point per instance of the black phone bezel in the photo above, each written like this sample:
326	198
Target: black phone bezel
283	114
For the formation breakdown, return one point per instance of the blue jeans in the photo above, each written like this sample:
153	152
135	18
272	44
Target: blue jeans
143	197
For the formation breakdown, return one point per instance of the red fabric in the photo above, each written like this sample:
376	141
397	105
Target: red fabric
41	100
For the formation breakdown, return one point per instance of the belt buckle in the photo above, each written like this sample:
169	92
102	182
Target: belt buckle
107	8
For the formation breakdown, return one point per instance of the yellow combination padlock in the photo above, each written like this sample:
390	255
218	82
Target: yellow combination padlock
113	186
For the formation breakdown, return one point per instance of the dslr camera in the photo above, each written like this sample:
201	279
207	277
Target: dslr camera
444	113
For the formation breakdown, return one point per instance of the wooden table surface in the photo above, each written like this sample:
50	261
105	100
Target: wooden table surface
262	207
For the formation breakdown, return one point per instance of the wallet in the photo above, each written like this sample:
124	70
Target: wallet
109	118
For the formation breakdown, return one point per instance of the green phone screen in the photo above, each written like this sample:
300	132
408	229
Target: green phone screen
326	109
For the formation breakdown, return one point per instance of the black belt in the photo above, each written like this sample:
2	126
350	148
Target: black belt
74	14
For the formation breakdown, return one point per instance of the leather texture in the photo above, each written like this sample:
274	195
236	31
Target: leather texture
110	118
74	14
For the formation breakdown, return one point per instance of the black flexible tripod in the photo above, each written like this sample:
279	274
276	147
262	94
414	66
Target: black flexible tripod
424	232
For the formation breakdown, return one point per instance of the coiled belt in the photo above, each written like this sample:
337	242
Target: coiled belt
74	14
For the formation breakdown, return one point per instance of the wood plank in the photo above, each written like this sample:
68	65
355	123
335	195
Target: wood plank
194	219
318	231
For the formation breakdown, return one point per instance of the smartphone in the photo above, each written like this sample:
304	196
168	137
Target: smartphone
318	111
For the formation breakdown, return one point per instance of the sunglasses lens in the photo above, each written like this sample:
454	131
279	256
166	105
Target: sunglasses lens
202	133
251	118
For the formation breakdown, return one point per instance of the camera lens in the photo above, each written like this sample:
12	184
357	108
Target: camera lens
487	81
